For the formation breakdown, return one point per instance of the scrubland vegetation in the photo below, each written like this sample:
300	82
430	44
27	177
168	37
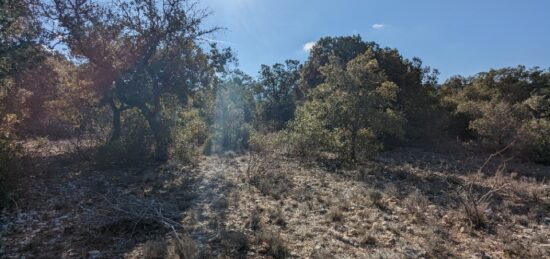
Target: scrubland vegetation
138	138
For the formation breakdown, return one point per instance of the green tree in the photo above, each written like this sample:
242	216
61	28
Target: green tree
416	98
20	50
156	53
351	112
279	93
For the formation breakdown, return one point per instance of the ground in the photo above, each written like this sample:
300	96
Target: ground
405	203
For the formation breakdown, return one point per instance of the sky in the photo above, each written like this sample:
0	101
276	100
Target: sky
456	37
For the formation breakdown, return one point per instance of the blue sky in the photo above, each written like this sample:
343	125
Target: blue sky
457	37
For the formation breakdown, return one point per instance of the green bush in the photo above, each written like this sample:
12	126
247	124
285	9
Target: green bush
189	135
500	107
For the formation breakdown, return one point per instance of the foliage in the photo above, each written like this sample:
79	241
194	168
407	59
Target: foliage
278	93
351	112
416	96
189	135
20	50
160	53
504	106
140	69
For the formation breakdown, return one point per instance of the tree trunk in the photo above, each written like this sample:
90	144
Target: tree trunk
116	131
161	137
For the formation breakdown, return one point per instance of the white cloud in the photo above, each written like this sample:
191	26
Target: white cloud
308	46
378	26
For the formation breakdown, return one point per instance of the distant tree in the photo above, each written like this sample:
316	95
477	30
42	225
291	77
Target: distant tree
150	50
279	92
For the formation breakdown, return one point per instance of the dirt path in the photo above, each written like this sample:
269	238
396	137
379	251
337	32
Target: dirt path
205	219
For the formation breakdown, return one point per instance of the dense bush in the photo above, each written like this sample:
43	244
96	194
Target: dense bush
500	107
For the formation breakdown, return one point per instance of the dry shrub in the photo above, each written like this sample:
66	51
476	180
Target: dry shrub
234	241
255	219
475	205
179	248
276	216
274	243
322	254
154	249
416	203
263	174
386	254
435	245
335	214
368	240
182	248
376	199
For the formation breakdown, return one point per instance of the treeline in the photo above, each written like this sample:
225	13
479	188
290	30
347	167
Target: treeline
139	78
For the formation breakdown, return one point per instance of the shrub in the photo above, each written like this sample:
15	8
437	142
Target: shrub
10	155
182	248
136	143
189	135
503	106
335	214
270	142
275	244
154	250
309	132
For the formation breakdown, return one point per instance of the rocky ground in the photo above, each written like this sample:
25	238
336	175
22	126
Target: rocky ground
406	203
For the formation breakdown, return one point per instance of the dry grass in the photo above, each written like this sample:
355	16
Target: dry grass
275	246
405	204
154	249
335	214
